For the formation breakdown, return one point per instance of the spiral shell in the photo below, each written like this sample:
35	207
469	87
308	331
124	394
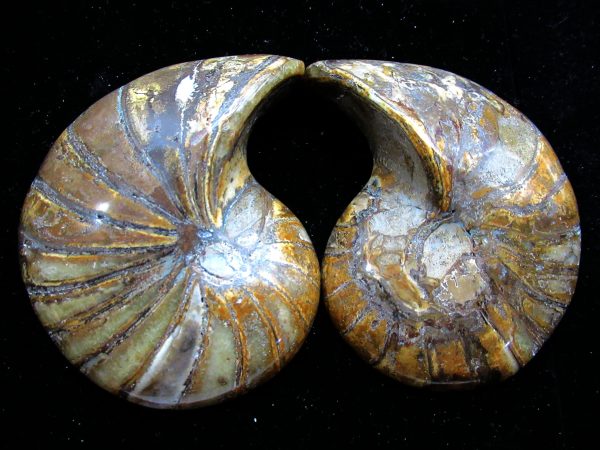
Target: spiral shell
155	260
458	258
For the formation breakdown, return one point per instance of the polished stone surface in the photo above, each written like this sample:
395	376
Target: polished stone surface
458	258
156	262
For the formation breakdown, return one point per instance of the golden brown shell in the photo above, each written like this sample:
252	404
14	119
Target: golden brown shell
458	258
157	263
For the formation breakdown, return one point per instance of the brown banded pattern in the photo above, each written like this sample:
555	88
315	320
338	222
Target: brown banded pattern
458	258
157	263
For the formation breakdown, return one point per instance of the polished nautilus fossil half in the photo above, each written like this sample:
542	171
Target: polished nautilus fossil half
155	260
458	258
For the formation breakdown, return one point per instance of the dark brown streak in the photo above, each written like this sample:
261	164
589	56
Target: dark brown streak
359	317
552	266
90	214
241	348
84	317
426	347
238	195
332	253
136	268
507	343
468	356
341	287
100	171
287	300
497	194
267	320
141	150
240	81
293	267
190	185
530	209
203	162
303	245
200	353
117	339
174	323
33	243
547	300
385	347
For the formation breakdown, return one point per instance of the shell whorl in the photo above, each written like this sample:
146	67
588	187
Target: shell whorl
157	263
458	258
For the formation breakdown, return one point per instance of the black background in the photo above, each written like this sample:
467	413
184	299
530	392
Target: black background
542	57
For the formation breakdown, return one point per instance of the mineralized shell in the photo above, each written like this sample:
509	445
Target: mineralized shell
157	263
458	258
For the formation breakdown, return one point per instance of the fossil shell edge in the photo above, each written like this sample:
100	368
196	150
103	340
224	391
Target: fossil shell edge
458	258
156	262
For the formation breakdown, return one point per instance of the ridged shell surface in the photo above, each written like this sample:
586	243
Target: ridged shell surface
458	258
157	263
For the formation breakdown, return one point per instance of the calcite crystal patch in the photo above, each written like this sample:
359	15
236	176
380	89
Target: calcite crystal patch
157	263
458	258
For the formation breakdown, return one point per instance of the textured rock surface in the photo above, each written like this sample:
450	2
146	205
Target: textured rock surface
156	262
458	258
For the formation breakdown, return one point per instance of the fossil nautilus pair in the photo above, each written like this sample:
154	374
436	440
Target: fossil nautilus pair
168	275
